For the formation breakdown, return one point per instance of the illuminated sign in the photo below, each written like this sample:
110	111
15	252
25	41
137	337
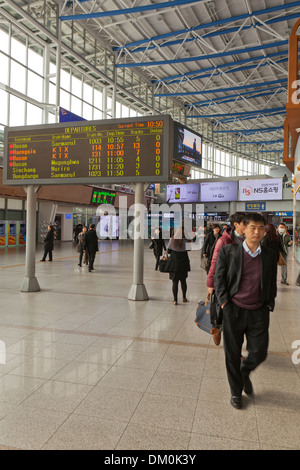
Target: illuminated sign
255	206
101	196
111	151
182	193
264	189
187	145
219	191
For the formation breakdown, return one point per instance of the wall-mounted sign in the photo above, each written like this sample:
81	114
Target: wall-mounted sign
264	189
219	191
255	206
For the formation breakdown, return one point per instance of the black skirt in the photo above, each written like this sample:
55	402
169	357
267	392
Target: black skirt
178	276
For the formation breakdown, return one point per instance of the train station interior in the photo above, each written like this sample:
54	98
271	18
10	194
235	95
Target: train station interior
107	107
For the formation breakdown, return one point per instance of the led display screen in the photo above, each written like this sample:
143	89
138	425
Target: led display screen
102	196
187	145
115	150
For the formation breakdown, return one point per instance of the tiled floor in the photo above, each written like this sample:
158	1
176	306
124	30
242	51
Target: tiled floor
88	369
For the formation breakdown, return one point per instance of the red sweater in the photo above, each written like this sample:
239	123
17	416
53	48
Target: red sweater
226	239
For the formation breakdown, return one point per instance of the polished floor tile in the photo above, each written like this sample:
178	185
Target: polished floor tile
86	368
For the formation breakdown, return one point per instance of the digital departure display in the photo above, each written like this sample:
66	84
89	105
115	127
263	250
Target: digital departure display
102	196
115	150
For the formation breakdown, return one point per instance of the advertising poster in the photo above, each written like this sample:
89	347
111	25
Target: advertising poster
12	233
22	233
184	193
261	190
219	191
109	227
2	233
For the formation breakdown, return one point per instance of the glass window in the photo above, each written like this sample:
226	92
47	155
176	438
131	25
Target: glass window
18	50
18	77
3	107
87	112
35	59
88	93
3	68
17	111
98	99
35	86
65	80
76	106
34	115
64	100
97	114
4	41
76	87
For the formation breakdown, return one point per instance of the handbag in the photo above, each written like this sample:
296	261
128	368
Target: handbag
164	264
281	260
151	246
208	314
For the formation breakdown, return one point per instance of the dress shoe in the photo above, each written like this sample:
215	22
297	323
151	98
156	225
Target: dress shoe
285	283
184	300
216	334
248	388
236	402
174	302
297	283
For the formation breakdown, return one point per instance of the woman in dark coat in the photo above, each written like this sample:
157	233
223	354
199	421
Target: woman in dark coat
159	246
179	263
272	240
48	243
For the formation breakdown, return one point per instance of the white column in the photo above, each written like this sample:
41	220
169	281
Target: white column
138	290
30	283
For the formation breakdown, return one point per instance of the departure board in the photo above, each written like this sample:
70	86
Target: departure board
84	152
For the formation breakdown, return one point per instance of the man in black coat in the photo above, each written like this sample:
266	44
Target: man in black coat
246	285
90	244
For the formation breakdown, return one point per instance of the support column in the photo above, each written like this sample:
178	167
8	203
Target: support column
138	290
30	283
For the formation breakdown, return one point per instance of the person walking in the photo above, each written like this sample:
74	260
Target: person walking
179	264
210	243
48	243
90	245
158	246
81	245
285	242
233	234
246	287
272	240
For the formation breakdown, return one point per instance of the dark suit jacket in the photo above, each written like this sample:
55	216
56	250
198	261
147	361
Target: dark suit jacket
90	242
229	270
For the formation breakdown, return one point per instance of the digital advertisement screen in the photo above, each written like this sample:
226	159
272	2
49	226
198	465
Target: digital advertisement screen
114	150
101	196
109	227
219	191
260	190
182	193
187	145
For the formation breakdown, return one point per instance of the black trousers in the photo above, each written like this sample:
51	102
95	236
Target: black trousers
46	252
91	255
237	323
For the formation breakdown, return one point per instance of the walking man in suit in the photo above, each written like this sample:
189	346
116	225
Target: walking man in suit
245	285
90	245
